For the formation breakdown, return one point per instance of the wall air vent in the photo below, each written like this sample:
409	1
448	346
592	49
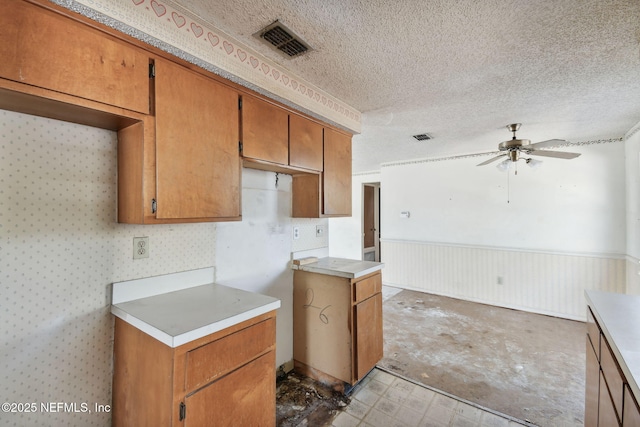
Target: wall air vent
283	39
422	137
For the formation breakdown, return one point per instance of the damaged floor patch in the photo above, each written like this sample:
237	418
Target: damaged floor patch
303	401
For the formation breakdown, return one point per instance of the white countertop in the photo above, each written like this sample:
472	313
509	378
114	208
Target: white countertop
349	268
186	314
619	317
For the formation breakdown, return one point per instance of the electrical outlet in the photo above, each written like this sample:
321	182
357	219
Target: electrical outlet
296	233
319	230
499	280
140	247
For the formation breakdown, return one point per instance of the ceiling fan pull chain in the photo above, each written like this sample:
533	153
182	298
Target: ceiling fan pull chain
508	188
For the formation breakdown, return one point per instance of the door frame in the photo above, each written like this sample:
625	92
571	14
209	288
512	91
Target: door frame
376	221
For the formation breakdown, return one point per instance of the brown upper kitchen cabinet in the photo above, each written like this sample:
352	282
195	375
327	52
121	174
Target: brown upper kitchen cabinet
44	49
265	132
327	194
305	143
271	134
336	188
183	165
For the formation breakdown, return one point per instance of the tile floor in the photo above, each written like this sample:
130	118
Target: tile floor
385	400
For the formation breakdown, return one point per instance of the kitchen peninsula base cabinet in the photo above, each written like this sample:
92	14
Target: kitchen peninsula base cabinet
337	326
611	397
223	379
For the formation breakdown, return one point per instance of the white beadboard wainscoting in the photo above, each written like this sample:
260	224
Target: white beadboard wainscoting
633	275
550	283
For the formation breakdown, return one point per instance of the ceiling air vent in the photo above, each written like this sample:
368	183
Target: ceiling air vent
283	39
422	137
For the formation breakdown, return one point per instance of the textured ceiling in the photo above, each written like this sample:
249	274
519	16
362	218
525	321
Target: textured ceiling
458	70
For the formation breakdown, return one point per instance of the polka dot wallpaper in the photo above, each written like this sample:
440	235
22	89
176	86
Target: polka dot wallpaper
60	250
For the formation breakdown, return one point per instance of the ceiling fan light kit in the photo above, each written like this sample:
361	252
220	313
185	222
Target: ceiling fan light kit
514	147
534	163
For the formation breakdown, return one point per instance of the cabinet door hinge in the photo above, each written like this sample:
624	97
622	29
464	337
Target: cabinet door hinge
152	70
239	103
240	146
183	411
154	205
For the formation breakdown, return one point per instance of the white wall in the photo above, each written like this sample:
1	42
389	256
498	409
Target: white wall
632	156
562	231
255	254
61	249
575	206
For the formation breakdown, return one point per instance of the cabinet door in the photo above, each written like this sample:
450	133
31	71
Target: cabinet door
245	397
606	411
631	416
368	343
593	332
44	49
612	374
592	387
337	174
305	143
265	131
197	154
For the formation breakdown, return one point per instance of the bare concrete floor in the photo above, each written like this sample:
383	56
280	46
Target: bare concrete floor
525	365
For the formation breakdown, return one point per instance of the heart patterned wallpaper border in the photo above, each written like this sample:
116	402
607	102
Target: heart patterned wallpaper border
177	28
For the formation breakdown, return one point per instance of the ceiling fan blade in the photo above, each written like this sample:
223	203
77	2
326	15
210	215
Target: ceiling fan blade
493	159
547	143
549	153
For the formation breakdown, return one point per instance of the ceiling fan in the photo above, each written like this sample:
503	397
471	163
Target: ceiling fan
514	147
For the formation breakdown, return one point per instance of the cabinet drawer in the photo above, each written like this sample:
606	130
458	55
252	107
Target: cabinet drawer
226	354
365	288
612	376
593	332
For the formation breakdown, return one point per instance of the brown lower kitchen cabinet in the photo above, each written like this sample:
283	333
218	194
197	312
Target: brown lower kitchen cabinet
631	417
592	387
337	326
223	379
608	398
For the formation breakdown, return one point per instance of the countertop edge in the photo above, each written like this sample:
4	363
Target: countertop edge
340	267
344	274
186	337
631	380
